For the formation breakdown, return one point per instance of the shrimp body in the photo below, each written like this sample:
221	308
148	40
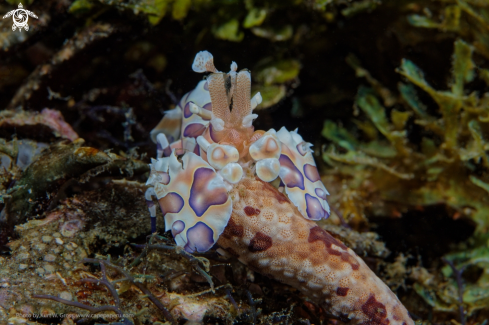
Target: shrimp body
214	187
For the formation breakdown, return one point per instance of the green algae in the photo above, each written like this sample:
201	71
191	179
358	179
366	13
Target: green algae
438	175
438	171
469	19
271	95
274	34
154	10
277	71
16	2
410	141
359	7
229	31
442	294
255	17
81	6
271	77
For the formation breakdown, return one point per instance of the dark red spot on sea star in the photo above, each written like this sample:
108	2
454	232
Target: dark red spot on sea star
334	252
260	243
342	291
375	311
250	211
318	233
350	260
233	230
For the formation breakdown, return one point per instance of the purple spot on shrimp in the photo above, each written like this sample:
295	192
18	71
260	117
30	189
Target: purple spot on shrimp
197	150
177	227
208	107
204	191
314	209
206	86
302	148
186	111
171	203
167	152
164	178
150	204
194	130
212	134
311	173
200	238
184	99
290	175
320	193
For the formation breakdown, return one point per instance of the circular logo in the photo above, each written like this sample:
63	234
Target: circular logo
20	17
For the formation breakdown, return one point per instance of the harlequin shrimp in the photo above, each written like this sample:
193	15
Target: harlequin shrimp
256	195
